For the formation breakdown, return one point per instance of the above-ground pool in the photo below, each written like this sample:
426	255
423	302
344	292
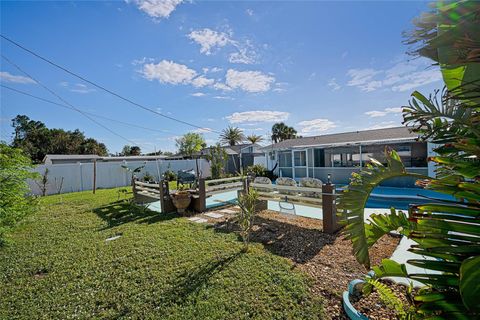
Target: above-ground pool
381	197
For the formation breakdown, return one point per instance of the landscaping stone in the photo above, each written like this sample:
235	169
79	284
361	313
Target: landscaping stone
113	238
228	211
213	215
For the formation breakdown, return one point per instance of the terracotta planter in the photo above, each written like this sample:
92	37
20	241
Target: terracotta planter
181	201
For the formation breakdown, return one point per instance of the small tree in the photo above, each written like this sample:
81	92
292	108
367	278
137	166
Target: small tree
232	136
217	158
15	203
190	143
245	217
43	182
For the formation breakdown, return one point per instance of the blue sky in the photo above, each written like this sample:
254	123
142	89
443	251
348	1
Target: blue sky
322	67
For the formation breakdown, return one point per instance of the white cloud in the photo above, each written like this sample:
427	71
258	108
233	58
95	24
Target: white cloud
315	126
258	116
383	125
198	94
168	72
223	98
8	77
403	76
249	12
209	39
243	55
157	9
201	81
332	83
383	113
202	130
221	86
143	60
363	78
251	81
81	88
77	87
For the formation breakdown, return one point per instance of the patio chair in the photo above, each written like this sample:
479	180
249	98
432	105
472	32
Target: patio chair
311	183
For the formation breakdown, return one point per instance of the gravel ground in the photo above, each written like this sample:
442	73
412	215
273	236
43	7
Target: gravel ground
327	258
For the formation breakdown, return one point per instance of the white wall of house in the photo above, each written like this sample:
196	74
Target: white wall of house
261	160
79	176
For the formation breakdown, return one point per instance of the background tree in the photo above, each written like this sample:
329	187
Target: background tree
280	132
15	204
253	138
217	157
232	136
36	140
190	143
135	151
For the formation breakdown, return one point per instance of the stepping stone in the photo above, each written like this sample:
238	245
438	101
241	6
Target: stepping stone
228	211
213	215
197	219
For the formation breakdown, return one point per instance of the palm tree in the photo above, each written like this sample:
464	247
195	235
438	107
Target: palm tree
280	132
232	136
253	138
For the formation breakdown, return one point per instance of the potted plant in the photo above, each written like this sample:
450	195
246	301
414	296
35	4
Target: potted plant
181	198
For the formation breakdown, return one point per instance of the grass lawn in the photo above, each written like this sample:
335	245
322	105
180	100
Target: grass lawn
58	266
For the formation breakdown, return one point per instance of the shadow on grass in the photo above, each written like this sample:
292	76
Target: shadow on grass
284	238
192	281
121	212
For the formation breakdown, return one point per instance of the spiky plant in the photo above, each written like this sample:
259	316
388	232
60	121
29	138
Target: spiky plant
232	136
253	138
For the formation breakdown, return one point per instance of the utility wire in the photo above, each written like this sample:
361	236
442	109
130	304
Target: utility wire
103	88
64	101
67	107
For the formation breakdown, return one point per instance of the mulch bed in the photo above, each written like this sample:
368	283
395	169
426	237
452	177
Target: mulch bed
328	259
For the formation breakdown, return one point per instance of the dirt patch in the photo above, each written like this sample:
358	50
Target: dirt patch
327	258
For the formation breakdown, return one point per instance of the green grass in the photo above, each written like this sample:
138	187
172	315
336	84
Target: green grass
58	265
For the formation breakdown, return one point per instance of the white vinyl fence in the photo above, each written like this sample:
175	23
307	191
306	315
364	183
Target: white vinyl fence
79	176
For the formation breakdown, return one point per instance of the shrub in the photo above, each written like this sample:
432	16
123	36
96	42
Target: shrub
246	202
169	175
148	177
15	203
257	170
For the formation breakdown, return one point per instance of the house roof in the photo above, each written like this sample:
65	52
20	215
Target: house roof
385	135
70	157
79	157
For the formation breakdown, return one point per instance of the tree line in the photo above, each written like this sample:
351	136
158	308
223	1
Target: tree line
37	140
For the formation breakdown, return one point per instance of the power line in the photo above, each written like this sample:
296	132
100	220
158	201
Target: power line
67	107
64	101
103	88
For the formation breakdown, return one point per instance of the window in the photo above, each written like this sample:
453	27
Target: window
404	151
285	159
300	158
336	160
318	158
271	155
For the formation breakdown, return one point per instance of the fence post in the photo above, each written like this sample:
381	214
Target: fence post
330	223
202	196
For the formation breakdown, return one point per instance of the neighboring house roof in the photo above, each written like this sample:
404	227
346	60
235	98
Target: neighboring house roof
49	158
133	158
385	135
231	150
73	157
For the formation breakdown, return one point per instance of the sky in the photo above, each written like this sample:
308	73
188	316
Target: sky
319	66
